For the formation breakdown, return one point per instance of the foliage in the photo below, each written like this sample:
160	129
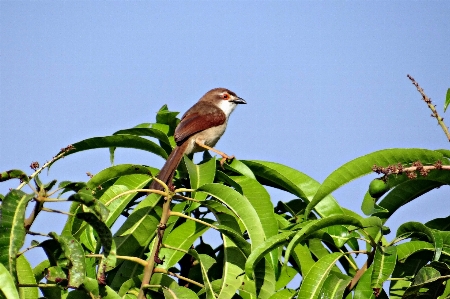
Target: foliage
302	248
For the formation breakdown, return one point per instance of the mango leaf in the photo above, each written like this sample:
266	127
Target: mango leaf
119	171
122	184
177	292
205	264
406	249
383	265
240	205
259	252
316	277
99	291
334	286
363	289
447	100
409	269
417	228
38	271
316	225
240	168
181	237
303	258
75	254
150	132
428	283
233	267
25	276
200	175
7	287
14	174
125	141
90	201
259	198
403	194
293	181
363	165
12	230
284	294
108	262
286	276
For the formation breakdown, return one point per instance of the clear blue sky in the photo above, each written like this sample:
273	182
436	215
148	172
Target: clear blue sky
325	82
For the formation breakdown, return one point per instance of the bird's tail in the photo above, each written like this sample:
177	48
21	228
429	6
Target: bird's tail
168	170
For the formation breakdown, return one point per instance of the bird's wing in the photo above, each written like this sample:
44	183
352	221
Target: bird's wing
196	120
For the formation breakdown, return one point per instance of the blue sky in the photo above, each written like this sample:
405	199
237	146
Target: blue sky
325	82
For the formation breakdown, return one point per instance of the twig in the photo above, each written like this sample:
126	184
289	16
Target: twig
427	100
193	219
154	258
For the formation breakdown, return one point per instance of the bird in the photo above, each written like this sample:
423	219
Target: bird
199	130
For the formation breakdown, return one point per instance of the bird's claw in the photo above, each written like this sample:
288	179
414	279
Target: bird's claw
227	159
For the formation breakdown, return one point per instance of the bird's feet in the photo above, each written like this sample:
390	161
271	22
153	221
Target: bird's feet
227	159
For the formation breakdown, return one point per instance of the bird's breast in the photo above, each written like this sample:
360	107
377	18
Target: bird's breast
209	137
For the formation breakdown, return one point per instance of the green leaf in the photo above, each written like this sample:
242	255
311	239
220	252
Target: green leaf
284	294
25	276
205	264
383	265
124	141
240	205
407	270
316	277
241	168
7	287
122	184
151	132
12	230
13	174
90	201
233	267
293	181
100	291
259	198
177	292
363	165
403	194
409	228
75	254
119	171
109	247
259	252
38	271
447	99
316	225
286	276
200	175
406	249
334	286
303	258
182	237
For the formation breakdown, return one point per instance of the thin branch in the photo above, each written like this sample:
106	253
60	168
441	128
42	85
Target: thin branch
122	257
56	211
162	193
154	258
432	107
39	170
193	219
160	270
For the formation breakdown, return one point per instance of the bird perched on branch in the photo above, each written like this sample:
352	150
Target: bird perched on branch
199	130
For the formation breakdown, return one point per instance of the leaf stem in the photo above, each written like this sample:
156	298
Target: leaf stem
193	219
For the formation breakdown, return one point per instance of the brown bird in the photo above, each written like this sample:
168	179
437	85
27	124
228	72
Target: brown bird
199	130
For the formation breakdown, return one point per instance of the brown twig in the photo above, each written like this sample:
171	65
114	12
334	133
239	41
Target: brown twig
427	100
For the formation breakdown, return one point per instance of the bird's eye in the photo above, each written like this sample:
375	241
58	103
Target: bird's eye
225	96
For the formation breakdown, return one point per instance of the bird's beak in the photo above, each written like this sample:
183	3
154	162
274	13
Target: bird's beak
238	100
